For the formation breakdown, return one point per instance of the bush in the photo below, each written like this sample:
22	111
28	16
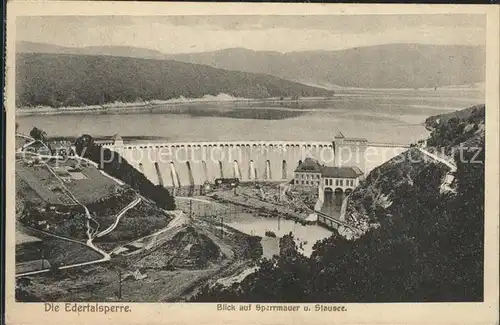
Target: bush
270	234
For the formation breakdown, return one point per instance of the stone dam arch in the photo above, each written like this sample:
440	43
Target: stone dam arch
192	163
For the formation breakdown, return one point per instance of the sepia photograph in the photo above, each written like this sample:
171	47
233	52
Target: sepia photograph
250	158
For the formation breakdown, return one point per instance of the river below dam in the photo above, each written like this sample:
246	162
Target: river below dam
305	235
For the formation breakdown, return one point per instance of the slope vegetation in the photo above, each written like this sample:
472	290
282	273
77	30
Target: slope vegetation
75	80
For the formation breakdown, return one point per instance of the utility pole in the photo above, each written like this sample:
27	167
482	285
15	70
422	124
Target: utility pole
119	284
190	208
221	227
42	254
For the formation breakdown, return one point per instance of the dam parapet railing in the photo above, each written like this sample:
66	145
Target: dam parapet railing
231	144
235	143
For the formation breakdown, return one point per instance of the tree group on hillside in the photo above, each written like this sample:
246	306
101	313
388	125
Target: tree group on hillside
115	165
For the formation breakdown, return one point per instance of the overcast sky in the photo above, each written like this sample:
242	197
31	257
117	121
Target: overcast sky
181	34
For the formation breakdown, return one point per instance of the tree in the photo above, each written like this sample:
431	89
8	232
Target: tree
38	134
84	145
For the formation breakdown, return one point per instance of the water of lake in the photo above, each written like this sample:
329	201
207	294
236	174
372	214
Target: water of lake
380	118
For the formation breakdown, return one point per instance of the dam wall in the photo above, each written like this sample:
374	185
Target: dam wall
184	164
179	164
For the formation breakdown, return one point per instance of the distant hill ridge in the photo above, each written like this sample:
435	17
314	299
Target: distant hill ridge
55	80
381	66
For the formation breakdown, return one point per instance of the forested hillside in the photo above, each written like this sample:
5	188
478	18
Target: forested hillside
381	66
75	80
465	127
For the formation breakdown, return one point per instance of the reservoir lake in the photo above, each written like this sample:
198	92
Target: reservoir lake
379	116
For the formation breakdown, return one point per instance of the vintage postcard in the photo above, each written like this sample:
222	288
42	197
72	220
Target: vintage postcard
182	163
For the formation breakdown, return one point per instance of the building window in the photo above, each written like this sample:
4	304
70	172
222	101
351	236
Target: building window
336	182
341	182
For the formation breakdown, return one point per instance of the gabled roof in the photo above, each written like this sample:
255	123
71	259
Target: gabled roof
357	170
340	172
339	135
310	165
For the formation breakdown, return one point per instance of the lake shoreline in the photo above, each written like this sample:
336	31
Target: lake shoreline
169	106
148	108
